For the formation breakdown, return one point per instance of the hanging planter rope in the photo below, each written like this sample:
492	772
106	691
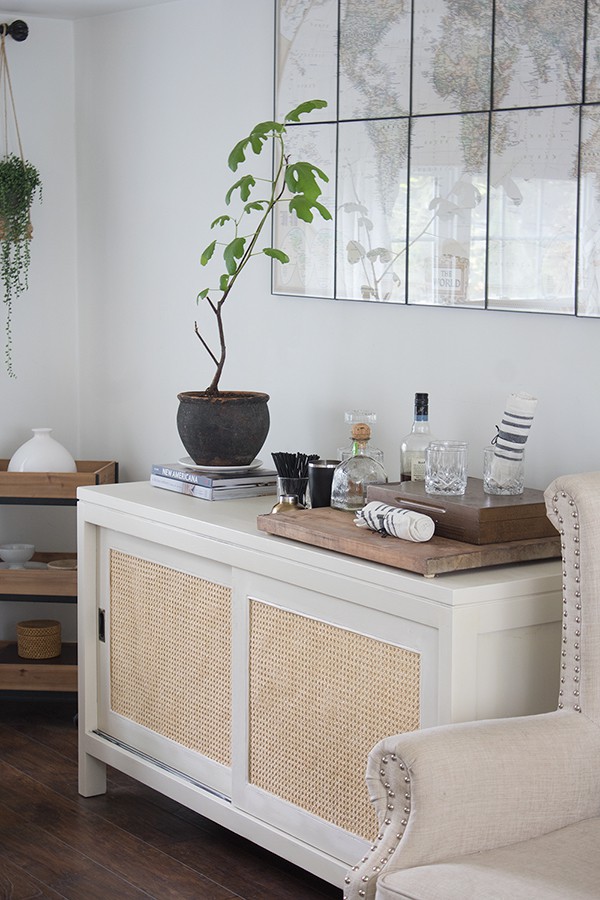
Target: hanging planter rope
19	183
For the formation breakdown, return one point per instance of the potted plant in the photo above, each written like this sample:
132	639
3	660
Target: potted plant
19	183
220	428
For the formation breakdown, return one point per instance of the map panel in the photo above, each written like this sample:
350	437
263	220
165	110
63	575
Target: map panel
447	222
371	225
310	271
538	52
592	58
307	38
588	286
374	59
469	86
532	209
452	56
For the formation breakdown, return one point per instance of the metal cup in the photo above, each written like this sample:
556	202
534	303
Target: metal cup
320	477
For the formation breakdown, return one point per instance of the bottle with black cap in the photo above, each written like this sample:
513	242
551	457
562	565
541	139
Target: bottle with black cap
412	449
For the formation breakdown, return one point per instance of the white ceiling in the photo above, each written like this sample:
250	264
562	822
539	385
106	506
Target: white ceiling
77	9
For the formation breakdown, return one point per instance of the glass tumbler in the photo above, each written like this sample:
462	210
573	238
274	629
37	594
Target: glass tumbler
293	487
503	476
446	467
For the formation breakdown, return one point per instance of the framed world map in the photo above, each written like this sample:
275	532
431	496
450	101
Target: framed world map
462	142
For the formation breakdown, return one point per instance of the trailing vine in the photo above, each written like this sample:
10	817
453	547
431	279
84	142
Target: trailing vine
19	183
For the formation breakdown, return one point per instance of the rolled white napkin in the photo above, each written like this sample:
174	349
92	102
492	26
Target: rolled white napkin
513	432
400	523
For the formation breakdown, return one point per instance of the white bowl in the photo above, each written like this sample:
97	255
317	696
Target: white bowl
16	554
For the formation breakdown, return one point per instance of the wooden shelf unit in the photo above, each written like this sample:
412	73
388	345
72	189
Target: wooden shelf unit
56	674
45	585
54	487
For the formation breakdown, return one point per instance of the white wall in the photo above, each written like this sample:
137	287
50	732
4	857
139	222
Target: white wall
162	96
45	328
45	319
129	118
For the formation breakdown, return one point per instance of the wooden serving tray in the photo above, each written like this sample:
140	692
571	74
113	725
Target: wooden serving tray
334	529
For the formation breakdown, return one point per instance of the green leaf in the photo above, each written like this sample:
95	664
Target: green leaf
208	252
304	108
276	254
264	130
303	207
244	185
223	282
256	204
202	294
301	178
256	139
238	154
220	220
256	142
232	252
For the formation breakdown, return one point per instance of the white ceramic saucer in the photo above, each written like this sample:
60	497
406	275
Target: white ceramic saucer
189	463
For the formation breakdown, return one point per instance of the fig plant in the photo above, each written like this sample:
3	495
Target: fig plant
295	183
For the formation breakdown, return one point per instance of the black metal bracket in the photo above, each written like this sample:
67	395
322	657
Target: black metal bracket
17	30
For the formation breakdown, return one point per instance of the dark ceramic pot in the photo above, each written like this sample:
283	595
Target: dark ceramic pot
224	429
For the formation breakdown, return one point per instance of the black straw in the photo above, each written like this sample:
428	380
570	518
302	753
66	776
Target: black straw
293	465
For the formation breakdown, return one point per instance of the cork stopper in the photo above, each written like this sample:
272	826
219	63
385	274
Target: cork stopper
361	431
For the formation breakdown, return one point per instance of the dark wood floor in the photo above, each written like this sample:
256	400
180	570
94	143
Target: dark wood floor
129	843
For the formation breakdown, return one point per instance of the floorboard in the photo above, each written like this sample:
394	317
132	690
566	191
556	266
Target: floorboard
128	843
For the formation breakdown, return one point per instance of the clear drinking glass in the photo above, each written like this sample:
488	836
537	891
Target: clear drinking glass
503	476
446	467
293	487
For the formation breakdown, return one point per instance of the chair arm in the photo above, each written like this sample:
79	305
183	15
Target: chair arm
456	789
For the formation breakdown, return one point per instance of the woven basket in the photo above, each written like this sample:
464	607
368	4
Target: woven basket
38	639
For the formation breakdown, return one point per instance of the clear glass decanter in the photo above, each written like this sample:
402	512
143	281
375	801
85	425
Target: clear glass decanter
355	417
351	477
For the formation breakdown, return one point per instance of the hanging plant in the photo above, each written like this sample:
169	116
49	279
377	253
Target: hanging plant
19	183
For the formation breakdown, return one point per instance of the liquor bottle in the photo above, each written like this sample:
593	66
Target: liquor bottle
352	475
412	449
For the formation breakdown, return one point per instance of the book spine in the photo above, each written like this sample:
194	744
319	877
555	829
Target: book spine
182	475
207	493
181	487
212	481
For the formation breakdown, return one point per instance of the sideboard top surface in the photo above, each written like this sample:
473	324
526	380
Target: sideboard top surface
235	523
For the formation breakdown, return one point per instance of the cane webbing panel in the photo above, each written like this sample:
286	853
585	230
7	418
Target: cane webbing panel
170	638
320	698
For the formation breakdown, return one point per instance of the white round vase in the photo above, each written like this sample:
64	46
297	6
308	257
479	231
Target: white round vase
42	453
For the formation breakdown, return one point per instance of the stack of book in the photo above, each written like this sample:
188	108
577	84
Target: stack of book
214	485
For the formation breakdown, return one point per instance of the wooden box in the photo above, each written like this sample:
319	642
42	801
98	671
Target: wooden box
475	517
54	487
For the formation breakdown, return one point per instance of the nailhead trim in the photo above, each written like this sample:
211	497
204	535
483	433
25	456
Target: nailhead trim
571	624
365	875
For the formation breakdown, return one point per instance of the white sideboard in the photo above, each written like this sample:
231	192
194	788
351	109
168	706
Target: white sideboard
247	676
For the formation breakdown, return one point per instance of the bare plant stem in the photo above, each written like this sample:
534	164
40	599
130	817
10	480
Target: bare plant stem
277	192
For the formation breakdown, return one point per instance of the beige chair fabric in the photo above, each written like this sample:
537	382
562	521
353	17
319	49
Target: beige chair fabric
507	808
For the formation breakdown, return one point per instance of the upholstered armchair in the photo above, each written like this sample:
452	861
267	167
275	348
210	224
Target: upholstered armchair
505	809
